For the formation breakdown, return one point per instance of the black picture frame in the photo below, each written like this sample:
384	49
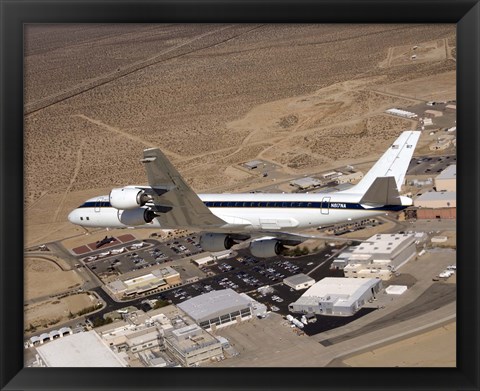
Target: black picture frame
466	13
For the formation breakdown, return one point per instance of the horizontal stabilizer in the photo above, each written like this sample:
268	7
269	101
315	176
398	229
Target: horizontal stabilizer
383	191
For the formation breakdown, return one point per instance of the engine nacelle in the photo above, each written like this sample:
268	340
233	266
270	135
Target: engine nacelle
133	217
216	242
265	248
128	198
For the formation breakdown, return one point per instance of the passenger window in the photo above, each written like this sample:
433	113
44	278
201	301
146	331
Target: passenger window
81	218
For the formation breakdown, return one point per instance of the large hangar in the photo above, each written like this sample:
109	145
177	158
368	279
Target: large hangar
299	281
447	179
436	199
380	255
336	296
217	308
79	350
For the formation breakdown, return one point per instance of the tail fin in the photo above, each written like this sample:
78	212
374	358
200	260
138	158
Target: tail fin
394	163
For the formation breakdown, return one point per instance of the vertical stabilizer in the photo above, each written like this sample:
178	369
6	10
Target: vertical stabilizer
394	163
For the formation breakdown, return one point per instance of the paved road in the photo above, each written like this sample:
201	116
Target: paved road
433	298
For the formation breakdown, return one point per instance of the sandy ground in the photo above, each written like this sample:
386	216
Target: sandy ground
305	97
435	348
211	96
49	312
44	277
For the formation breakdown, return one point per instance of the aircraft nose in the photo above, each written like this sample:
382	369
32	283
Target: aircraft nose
72	217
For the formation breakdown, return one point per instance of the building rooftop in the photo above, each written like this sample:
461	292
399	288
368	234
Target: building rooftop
338	286
298	279
209	304
79	350
306	182
253	163
382	243
143	282
437	196
191	338
339	290
449	173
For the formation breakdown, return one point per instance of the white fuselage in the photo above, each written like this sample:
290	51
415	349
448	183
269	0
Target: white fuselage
252	211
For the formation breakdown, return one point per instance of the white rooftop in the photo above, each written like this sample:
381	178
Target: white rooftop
79	350
253	163
212	302
298	279
305	182
382	243
449	173
396	289
437	196
338	286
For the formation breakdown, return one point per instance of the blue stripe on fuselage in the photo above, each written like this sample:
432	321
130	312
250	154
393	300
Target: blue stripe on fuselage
273	204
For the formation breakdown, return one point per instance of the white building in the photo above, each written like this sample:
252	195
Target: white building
218	255
350	178
191	345
306	183
332	175
401	113
217	309
251	165
85	349
396	289
125	336
139	283
203	260
436	199
380	255
299	281
336	296
258	309
447	179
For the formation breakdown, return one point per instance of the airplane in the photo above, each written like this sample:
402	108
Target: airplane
136	246
269	221
118	251
105	240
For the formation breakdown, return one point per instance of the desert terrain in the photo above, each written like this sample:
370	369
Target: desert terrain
435	348
47	276
211	96
50	291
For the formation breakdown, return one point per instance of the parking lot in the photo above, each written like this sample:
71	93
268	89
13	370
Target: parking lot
150	254
244	273
430	165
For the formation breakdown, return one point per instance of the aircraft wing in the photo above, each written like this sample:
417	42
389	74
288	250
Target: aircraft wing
292	239
287	238
174	202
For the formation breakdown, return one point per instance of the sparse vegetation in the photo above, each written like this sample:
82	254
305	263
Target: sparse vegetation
160	304
297	251
99	321
202	117
88	310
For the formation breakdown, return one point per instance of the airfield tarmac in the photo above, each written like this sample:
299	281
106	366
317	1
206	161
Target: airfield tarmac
303	97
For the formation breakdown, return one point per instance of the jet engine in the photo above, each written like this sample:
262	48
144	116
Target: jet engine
266	247
128	198
133	217
216	242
